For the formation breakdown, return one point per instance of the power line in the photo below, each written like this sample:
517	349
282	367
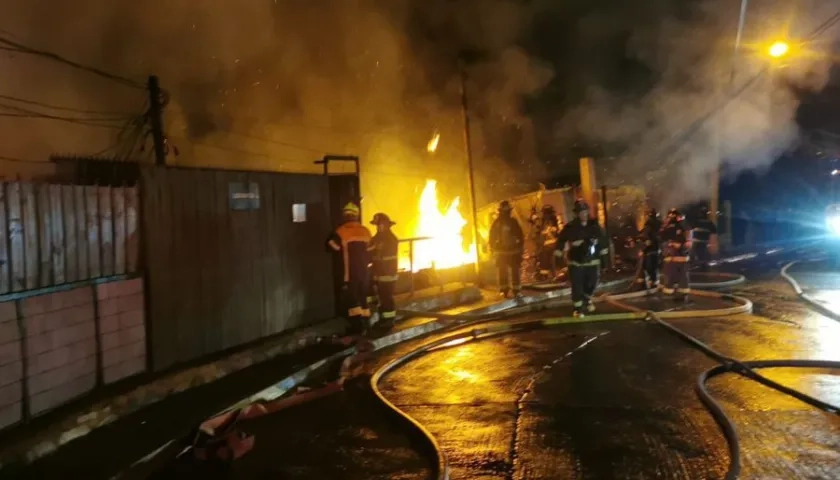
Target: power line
20	160
60	108
58	58
63	119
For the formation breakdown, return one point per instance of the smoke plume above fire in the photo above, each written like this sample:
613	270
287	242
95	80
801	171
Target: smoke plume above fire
698	104
275	84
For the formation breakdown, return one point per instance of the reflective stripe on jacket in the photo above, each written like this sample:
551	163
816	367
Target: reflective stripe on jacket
383	248
352	239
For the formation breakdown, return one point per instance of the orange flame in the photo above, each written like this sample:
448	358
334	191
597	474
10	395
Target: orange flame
445	245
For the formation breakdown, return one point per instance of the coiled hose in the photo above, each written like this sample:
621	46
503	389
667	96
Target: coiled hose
727	364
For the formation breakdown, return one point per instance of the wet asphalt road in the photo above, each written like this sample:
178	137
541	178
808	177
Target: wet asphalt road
606	400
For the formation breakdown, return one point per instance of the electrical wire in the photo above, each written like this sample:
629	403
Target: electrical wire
60	108
60	59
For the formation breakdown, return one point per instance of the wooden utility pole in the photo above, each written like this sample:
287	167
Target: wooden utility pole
156	119
470	170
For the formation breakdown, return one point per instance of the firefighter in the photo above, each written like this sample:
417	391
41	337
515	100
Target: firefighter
383	248
676	239
704	240
507	242
647	277
352	239
582	243
547	242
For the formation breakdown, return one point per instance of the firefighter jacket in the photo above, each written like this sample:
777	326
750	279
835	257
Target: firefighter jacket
703	231
649	236
506	236
352	239
582	245
676	238
383	249
548	233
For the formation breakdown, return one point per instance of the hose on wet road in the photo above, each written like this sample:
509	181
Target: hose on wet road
727	364
800	292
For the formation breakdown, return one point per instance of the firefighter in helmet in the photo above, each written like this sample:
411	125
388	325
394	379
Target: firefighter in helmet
383	248
507	243
549	229
704	240
351	240
676	240
582	243
647	276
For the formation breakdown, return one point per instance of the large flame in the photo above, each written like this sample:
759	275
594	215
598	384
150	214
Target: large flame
445	247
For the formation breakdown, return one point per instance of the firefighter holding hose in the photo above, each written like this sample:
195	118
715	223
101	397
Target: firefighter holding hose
383	249
677	244
351	240
582	243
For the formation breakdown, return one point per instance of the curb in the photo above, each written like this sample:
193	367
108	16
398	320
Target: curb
812	302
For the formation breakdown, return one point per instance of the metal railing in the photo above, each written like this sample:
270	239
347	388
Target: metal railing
435	279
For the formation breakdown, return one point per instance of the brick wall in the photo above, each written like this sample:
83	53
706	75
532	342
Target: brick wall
11	366
60	347
122	328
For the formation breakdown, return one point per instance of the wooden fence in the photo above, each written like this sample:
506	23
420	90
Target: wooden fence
55	234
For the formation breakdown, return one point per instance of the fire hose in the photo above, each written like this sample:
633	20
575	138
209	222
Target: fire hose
747	369
814	303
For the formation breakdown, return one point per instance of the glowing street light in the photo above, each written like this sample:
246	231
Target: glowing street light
778	49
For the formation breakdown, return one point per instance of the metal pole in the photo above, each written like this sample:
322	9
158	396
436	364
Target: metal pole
715	181
470	170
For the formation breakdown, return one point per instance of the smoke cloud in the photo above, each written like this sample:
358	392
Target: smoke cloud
693	110
275	84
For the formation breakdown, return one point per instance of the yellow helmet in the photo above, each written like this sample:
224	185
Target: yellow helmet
351	209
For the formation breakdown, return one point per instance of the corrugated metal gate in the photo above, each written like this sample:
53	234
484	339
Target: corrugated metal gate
226	262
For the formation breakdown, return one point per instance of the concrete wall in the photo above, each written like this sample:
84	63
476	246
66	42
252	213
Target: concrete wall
61	353
122	329
11	366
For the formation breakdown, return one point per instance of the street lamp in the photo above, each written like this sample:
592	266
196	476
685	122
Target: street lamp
778	49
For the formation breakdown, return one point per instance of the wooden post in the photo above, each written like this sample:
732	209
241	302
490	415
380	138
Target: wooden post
589	184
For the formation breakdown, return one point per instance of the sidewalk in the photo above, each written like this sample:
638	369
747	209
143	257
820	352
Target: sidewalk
101	439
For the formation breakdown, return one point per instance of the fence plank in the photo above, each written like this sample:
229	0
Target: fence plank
56	235
42	199
79	201
92	220
5	258
132	234
106	231
118	214
16	244
71	259
30	233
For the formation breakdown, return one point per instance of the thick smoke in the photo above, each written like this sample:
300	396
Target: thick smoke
694	113
275	84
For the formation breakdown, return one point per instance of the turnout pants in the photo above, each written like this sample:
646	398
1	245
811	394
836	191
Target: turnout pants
703	256
675	275
509	266
546	262
648	271
354	295
584	282
385	293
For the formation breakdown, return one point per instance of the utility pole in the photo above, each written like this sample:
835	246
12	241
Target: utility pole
715	180
470	171
156	119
